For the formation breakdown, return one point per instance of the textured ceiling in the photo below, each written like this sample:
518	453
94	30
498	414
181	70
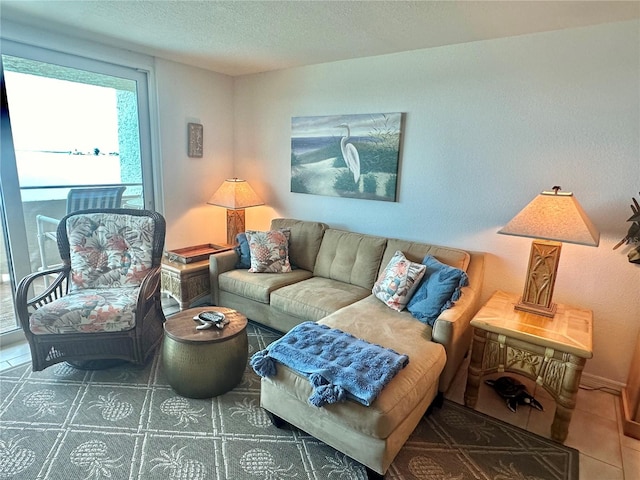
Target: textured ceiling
242	37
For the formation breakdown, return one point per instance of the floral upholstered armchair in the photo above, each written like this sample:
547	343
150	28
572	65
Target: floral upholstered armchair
104	303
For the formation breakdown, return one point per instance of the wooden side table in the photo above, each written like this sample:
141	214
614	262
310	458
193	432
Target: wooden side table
185	282
551	351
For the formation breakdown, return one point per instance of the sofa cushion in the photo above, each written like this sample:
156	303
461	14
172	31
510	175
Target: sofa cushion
316	297
304	240
258	286
372	321
269	251
350	257
91	310
397	282
438	290
416	252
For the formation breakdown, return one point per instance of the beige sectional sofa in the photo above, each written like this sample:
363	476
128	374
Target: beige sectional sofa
331	283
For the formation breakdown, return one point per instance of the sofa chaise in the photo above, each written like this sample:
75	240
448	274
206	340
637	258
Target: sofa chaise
331	283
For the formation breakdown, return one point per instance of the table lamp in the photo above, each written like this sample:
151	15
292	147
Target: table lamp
550	218
235	195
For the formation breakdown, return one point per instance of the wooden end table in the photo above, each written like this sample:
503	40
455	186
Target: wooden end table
551	351
187	282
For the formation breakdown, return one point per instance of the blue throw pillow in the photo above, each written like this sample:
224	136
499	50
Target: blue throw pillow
438	290
243	251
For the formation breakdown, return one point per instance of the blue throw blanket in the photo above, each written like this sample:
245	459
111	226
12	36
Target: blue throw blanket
337	363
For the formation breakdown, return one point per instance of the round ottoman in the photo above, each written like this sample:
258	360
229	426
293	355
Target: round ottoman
204	363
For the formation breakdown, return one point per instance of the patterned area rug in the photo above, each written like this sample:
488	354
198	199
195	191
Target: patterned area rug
127	423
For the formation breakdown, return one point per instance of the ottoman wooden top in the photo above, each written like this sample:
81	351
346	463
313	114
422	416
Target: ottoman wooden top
182	328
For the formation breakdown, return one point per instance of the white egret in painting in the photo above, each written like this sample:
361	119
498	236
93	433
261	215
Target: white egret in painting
350	154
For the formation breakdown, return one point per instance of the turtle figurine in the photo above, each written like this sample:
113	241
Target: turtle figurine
514	393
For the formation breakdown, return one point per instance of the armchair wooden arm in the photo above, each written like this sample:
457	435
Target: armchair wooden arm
57	289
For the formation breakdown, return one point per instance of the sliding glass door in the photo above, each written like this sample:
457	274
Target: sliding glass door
75	124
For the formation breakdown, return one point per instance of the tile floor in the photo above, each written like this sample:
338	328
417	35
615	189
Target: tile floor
595	430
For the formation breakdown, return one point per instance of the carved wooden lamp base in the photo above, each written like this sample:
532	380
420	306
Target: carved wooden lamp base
541	279
235	224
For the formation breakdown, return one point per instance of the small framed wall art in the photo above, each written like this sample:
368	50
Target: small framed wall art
195	139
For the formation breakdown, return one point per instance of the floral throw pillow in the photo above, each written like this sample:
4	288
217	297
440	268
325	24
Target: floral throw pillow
269	251
398	281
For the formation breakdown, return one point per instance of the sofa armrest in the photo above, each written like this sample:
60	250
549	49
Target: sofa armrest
452	328
469	303
220	263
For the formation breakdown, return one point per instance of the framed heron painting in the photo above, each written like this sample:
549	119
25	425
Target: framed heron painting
355	156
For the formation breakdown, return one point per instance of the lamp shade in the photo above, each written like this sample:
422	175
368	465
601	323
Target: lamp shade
554	216
235	194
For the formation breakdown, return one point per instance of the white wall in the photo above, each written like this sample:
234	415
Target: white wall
187	94
488	126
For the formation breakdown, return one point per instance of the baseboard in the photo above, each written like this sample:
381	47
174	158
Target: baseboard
600	383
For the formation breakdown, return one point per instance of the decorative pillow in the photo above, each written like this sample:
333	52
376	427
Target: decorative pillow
397	282
243	251
109	250
439	290
269	251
